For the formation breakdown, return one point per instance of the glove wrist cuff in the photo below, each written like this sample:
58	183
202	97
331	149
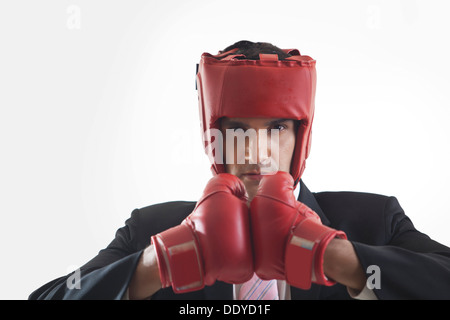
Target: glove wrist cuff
304	253
179	259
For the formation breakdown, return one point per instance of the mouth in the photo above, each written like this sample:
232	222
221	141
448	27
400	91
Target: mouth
252	176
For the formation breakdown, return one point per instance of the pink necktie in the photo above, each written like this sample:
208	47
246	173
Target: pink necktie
257	289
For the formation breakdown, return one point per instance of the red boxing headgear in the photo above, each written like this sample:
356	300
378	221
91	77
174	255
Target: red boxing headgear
265	88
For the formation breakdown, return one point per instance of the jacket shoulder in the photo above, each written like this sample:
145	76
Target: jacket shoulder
167	214
150	220
350	199
365	217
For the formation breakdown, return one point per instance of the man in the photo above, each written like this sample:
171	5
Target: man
250	231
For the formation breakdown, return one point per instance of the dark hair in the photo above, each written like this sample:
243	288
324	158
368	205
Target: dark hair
251	50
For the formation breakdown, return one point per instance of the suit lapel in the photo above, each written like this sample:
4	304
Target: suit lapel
308	198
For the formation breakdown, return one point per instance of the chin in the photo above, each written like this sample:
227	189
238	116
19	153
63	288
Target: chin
251	191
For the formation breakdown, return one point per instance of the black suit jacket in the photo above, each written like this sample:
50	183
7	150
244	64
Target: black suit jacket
412	265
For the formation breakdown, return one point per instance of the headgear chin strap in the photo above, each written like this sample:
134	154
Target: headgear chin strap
266	88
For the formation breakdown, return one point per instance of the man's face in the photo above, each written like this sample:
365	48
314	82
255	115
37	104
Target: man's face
267	152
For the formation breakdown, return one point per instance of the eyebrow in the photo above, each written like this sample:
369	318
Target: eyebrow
233	123
276	121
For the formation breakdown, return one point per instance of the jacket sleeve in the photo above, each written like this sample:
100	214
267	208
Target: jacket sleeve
410	265
106	276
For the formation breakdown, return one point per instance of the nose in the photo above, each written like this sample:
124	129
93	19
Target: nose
252	149
258	150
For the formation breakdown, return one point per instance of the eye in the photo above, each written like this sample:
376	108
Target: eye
280	127
235	128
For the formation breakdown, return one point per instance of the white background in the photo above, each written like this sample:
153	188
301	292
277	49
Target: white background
99	112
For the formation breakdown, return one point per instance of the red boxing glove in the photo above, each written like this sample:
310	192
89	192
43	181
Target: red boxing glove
288	237
212	243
